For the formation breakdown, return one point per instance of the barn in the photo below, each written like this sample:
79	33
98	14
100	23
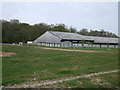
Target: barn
67	39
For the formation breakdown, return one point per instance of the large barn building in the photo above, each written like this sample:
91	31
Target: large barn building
67	39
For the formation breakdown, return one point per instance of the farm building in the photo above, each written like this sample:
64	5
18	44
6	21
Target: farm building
67	39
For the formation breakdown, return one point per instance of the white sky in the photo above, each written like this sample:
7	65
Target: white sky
90	15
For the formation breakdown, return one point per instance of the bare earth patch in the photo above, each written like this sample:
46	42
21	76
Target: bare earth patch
72	50
34	84
6	54
99	81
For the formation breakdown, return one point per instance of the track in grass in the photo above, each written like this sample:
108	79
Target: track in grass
60	49
49	82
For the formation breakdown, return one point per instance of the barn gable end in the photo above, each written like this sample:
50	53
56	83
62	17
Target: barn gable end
47	37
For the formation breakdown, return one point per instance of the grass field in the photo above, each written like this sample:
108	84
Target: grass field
35	64
100	81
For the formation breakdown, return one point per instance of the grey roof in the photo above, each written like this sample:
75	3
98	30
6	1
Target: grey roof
56	37
103	39
68	35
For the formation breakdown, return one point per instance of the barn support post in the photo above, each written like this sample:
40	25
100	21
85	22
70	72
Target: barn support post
77	44
82	44
91	44
71	44
60	44
107	45
100	45
114	46
54	44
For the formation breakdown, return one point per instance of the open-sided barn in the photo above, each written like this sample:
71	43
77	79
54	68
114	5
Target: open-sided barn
67	39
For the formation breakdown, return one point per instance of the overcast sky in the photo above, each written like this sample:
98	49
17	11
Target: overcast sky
90	15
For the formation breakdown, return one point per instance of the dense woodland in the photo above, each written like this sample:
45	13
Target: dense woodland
14	31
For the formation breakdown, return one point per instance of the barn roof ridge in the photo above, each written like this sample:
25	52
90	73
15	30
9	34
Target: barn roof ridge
67	35
54	34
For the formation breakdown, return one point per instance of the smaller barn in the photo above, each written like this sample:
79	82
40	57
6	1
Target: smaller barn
67	39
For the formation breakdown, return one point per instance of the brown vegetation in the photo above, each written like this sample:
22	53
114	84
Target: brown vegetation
6	54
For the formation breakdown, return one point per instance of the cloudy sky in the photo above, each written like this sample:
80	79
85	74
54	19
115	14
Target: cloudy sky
90	15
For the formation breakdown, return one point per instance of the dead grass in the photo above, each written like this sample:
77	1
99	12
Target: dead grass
91	51
6	54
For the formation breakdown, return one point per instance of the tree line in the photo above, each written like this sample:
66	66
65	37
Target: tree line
14	31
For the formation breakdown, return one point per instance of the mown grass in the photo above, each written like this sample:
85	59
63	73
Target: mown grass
101	81
30	63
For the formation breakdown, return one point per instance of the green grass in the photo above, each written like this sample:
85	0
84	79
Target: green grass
100	81
30	63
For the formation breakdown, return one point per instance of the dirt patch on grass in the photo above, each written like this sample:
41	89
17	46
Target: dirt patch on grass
6	54
99	81
73	50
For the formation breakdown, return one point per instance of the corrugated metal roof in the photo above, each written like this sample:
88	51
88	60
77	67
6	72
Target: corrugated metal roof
68	35
75	36
103	39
